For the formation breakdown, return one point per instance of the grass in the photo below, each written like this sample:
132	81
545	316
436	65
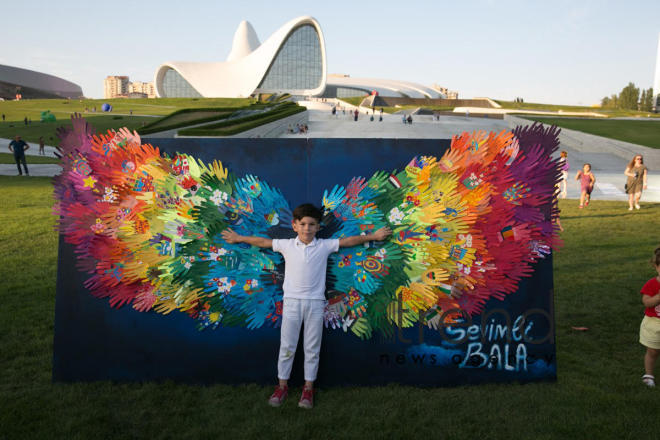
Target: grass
354	100
637	132
573	108
599	394
239	125
6	158
48	130
143	111
184	118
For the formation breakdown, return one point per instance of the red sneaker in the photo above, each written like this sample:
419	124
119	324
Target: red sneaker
307	398
278	396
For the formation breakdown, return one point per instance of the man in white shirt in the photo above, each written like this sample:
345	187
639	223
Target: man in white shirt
305	260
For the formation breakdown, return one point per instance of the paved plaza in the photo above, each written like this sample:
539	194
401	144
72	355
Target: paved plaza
607	157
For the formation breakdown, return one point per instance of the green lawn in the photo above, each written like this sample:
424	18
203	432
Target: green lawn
190	117
637	132
573	108
48	130
599	394
16	111
354	100
6	158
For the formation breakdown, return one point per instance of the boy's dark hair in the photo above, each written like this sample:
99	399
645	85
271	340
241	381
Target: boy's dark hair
656	257
307	210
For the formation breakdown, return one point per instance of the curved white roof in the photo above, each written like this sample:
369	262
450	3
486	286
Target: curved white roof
385	87
246	64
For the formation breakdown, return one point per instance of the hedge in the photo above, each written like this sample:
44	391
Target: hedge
157	126
235	126
148	130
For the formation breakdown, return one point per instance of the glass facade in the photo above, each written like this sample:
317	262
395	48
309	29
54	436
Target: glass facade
349	92
298	64
175	86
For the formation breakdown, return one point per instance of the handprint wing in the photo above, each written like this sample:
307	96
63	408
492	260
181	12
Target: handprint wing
475	217
147	227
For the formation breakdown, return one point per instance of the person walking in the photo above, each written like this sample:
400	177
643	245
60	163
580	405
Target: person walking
636	172
587	181
18	147
564	167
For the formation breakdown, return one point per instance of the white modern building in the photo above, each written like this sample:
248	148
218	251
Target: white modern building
344	86
29	84
292	60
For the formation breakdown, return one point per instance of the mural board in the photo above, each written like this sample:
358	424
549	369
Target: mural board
506	337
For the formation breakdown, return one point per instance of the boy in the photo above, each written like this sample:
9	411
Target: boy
305	260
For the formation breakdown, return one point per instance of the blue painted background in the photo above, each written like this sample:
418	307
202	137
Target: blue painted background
95	342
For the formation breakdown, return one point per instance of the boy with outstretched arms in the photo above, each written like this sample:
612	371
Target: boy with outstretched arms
304	292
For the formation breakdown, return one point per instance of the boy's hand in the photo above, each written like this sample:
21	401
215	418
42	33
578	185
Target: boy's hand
230	236
382	233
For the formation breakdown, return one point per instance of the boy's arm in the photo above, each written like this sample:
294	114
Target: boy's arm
355	240
232	237
650	301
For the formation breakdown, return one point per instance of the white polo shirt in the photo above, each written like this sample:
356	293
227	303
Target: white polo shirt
305	266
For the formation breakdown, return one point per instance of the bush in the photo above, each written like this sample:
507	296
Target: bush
153	128
234	126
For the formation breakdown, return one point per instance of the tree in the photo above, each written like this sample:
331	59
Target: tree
629	97
647	105
610	101
642	101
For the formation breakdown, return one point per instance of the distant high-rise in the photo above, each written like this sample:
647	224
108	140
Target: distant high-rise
145	88
656	81
114	86
121	87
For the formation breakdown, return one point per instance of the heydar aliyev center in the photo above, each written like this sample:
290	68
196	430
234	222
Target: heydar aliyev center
292	60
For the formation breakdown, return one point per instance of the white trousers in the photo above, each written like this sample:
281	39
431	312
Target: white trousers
295	312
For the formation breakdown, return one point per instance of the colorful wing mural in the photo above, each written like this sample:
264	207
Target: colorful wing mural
147	229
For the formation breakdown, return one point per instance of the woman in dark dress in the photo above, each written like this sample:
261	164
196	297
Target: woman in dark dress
636	172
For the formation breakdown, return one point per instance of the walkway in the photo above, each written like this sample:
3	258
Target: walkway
608	157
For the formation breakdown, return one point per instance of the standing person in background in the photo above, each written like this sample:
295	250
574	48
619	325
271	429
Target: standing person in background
18	147
42	152
564	167
587	181
636	172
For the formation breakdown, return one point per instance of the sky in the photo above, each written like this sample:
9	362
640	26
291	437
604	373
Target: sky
560	52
